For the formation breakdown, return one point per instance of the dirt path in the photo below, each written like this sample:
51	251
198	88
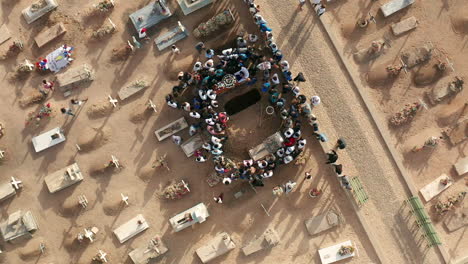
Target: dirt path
343	113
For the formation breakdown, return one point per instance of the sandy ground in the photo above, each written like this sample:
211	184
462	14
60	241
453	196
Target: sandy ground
301	36
135	145
439	23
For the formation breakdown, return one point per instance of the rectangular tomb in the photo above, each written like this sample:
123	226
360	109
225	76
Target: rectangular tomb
63	178
192	144
75	76
171	37
189	217
150	15
190	6
149	252
6	191
461	166
131	228
38	9
132	88
330	254
434	188
216	247
4	34
17	225
50	34
404	26
268	239
171	129
48	139
322	222
270	145
394	6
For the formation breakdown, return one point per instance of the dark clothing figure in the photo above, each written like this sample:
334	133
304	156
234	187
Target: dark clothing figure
338	168
257	183
300	77
345	182
340	144
332	157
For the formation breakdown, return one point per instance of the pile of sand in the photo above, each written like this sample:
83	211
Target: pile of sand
33	97
172	69
140	113
113	204
460	21
92	138
379	75
31	249
147	173
70	207
70	242
100	109
427	74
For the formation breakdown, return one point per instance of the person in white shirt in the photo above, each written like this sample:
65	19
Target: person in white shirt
297	134
301	4
227	181
288	133
296	91
200	159
262	164
253	38
273	47
172	104
175	50
217	146
215	140
186	106
195	114
288	159
259	19
197	66
248	163
209	53
289	186
267	174
216	152
284	65
301	143
209	64
275	79
202	94
290	150
211	94
176	139
315	101
206	146
280	152
321	9
210	121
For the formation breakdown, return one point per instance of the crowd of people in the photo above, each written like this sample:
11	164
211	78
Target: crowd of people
246	65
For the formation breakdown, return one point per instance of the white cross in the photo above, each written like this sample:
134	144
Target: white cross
16	183
83	201
450	64
102	256
113	101
152	105
124	199
115	161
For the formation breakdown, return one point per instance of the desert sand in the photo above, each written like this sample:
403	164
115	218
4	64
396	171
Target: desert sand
128	133
103	131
